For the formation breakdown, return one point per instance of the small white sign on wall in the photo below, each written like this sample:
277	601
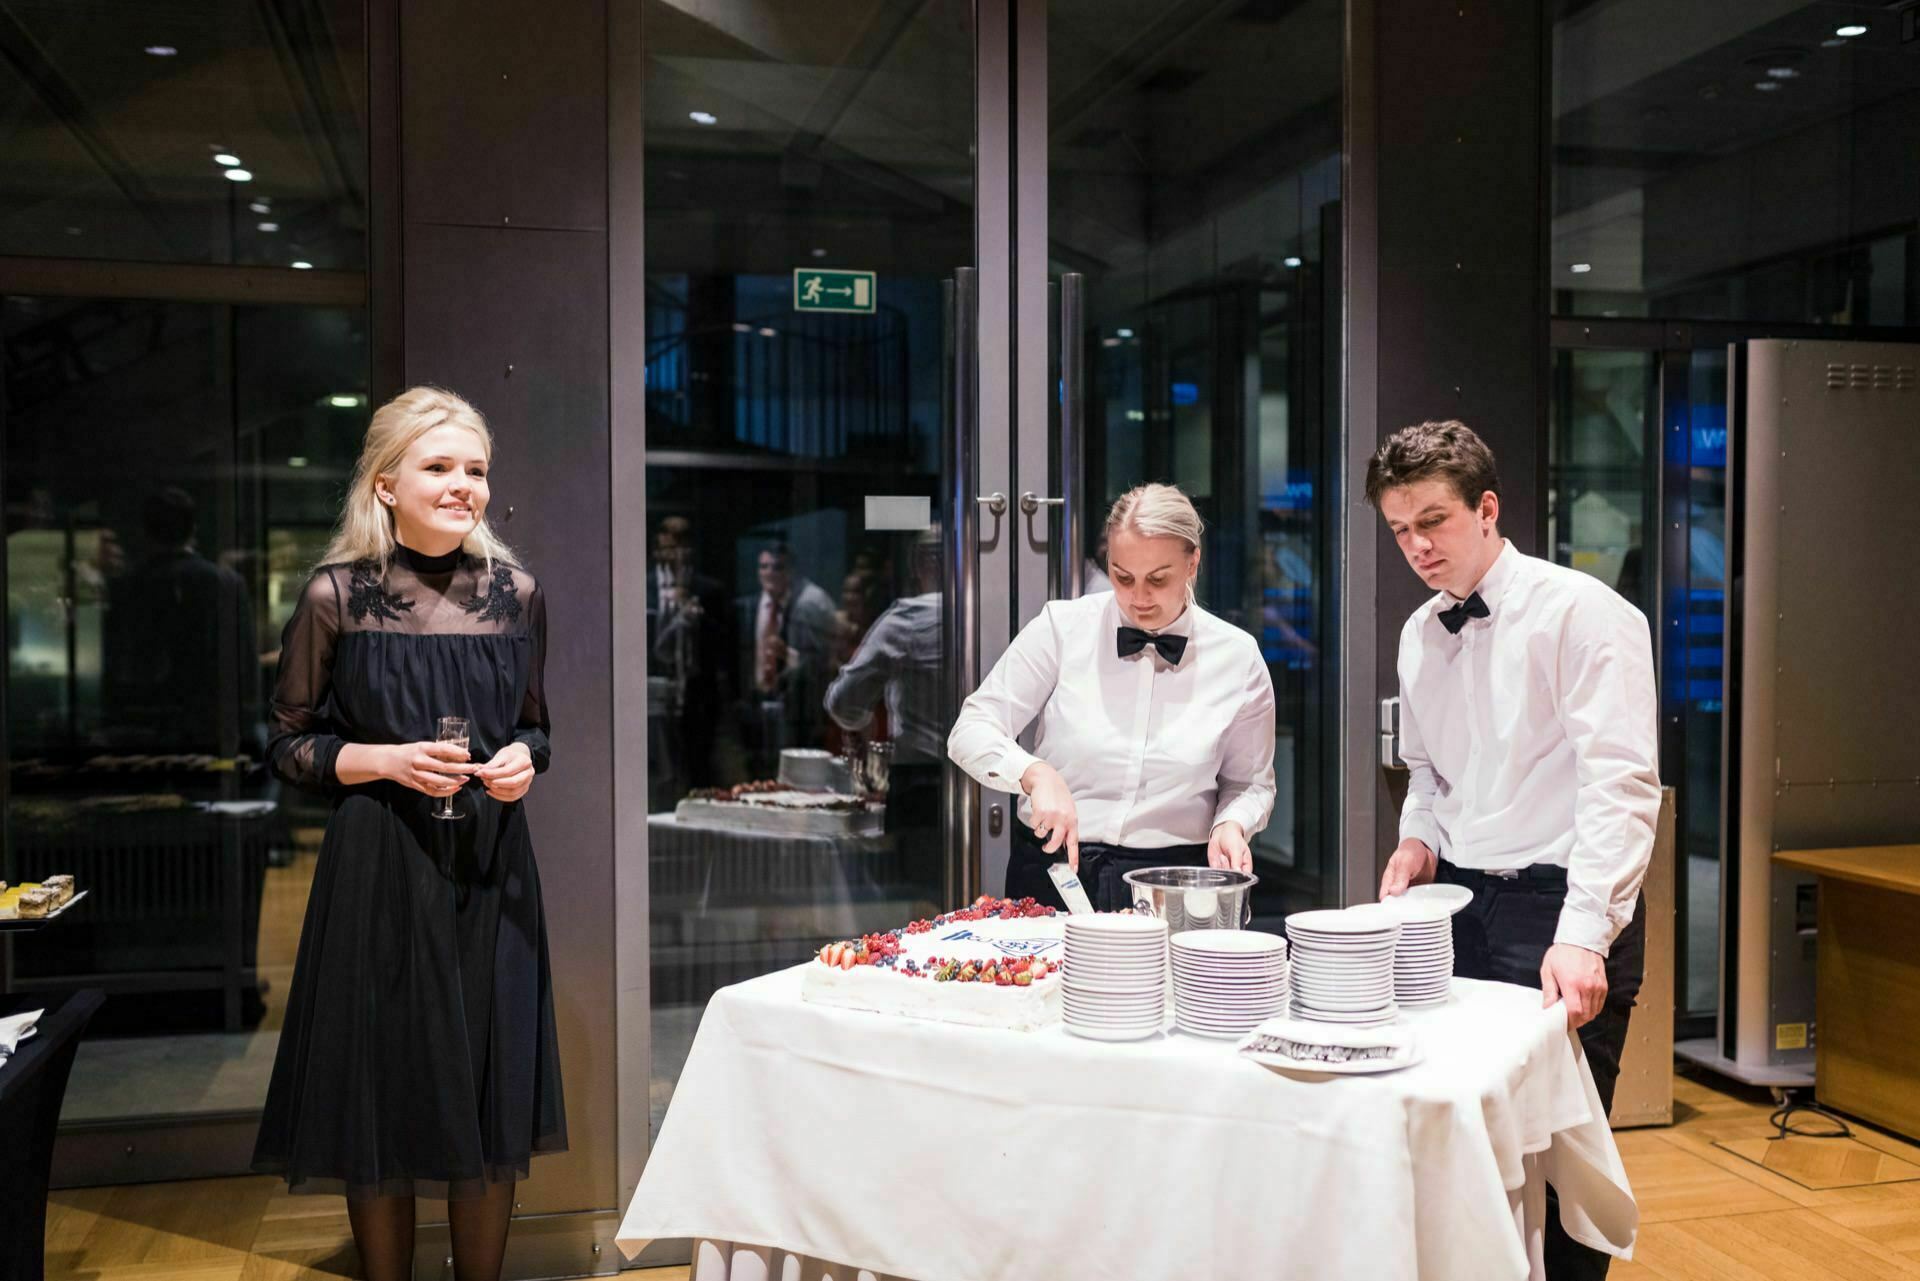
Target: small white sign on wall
898	511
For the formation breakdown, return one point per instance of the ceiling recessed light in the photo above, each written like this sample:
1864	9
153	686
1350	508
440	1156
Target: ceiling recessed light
1123	333
742	327
296	461
1291	261
1581	268
261	205
238	175
1851	30
344	400
302	265
1832	42
1109	342
1783	73
703	117
819	253
269	226
226	158
1767	86
162	50
766	332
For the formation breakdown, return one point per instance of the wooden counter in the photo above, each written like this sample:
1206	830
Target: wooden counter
1867	1047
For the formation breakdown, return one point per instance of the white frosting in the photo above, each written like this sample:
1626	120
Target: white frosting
888	991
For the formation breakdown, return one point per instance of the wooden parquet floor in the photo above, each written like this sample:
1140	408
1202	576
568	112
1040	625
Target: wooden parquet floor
1707	1214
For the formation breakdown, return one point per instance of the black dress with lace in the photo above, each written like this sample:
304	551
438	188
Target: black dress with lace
418	1055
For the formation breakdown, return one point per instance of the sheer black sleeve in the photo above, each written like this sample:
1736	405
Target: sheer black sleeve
533	726
303	746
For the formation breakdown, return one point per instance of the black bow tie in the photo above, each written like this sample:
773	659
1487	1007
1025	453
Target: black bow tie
1132	640
1456	618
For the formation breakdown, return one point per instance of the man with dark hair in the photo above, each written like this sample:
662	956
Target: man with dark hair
1528	722
690	621
786	633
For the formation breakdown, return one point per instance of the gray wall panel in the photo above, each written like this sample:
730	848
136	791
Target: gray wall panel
481	300
1459	289
505	113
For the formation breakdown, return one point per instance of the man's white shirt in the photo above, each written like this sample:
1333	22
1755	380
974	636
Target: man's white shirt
1532	737
1155	754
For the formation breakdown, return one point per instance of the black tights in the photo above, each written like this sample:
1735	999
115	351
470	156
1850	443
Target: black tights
383	1233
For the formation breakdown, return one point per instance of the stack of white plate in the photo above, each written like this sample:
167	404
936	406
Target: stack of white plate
1115	983
1342	965
1227	982
1423	956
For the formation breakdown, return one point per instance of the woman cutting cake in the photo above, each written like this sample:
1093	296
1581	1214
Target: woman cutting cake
1154	739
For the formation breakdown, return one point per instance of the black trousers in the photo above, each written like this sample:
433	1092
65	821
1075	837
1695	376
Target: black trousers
1102	869
1503	935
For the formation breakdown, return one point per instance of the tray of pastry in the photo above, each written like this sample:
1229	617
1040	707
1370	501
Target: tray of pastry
36	904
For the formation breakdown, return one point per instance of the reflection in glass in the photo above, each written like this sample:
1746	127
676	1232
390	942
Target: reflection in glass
1734	161
170	473
785	636
112	153
1196	189
1600	495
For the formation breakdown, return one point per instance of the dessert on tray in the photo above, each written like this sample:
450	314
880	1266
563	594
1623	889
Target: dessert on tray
769	806
35	900
994	964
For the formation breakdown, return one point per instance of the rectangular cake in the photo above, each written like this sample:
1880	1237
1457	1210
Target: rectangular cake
61	885
995	964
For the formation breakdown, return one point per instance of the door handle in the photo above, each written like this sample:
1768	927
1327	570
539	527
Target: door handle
1073	557
996	502
1030	503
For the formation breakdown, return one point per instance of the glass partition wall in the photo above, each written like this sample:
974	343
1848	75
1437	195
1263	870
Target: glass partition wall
184	333
808	450
1721	171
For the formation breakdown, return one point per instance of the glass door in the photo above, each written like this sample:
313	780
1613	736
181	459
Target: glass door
812	304
1191	236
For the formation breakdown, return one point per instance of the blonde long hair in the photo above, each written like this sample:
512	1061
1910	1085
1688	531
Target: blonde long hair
1158	511
366	524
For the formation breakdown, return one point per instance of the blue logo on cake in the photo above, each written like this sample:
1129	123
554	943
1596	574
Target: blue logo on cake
1006	947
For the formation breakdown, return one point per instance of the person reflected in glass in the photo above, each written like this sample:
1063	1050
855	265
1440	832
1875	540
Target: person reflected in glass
181	672
897	666
1154	738
690	620
419	1056
784	662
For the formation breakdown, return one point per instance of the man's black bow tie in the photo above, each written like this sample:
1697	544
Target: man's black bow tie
1456	618
1132	640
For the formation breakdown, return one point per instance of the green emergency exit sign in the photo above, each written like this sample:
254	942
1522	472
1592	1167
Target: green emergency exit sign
816	290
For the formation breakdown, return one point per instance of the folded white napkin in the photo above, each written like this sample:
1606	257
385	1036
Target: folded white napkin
16	1028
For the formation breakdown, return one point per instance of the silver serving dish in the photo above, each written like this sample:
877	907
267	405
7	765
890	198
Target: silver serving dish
1194	898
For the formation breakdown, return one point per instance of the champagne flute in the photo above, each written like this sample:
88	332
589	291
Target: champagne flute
450	729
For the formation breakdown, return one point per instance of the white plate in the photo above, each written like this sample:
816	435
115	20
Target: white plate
1114	1033
1115	924
1368	918
1403	1058
1452	897
1229	942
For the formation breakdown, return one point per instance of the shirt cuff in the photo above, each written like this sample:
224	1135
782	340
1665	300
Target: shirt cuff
1422	826
1244	810
1013	764
1584	929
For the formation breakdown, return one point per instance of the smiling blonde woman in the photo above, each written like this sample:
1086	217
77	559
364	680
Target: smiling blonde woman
1153	719
419	1056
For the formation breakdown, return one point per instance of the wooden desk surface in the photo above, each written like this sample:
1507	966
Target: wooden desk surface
1887	867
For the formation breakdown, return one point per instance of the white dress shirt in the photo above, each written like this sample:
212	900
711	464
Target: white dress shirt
900	657
1155	754
1532	737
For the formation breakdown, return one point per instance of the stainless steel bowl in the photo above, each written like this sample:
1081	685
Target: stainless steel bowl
1194	898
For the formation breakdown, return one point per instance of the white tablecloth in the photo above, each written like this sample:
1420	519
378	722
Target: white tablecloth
946	1153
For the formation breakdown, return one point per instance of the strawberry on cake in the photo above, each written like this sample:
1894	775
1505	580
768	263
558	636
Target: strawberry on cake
994	964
